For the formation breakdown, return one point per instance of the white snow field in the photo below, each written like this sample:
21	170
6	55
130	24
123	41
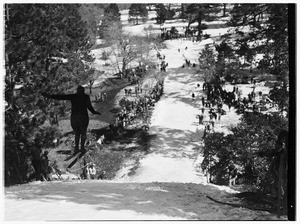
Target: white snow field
167	185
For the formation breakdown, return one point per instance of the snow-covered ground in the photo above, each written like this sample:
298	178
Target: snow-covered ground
175	149
86	201
167	185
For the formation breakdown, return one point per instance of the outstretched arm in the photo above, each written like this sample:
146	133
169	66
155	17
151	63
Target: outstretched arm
58	97
90	107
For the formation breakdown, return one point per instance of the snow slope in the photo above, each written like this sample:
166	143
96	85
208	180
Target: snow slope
175	148
86	201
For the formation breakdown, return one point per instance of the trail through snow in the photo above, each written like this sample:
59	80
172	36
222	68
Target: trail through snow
177	137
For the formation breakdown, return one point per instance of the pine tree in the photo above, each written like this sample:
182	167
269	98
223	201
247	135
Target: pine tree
273	29
91	14
224	9
170	12
243	14
138	11
225	54
112	13
277	46
183	11
111	16
161	13
277	52
199	13
207	62
45	46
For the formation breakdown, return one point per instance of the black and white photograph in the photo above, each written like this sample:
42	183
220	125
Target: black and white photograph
137	111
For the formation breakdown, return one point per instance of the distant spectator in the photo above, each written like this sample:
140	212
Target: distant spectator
102	175
92	170
45	165
193	96
37	163
200	117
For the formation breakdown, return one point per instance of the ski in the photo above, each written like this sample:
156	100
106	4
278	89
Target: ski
71	156
76	159
80	155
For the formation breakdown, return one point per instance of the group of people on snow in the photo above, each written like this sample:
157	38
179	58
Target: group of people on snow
134	75
90	172
217	96
163	64
131	109
137	90
100	97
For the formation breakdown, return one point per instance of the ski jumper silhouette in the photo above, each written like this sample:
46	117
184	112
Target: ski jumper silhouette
79	115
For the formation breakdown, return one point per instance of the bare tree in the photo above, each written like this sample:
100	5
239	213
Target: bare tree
95	74
125	48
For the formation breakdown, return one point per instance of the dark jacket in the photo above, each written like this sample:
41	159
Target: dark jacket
81	103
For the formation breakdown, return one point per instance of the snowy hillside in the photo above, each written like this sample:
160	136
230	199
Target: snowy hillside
168	184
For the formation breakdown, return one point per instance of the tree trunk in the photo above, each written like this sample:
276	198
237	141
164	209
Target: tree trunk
188	26
7	12
91	84
18	173
254	21
199	29
123	68
224	9
182	11
279	186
